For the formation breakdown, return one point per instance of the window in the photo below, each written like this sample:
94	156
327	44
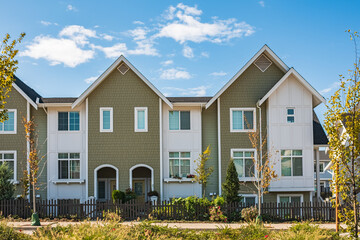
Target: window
242	119
179	164
9	126
291	163
106	119
243	160
141	119
248	199
290	115
68	121
69	165
292	198
10	158
321	167
179	120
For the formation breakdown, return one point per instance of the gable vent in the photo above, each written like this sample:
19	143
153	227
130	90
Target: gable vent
123	68
263	63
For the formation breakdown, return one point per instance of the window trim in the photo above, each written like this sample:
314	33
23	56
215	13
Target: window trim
15	123
174	130
245	179
291	157
15	162
189	158
290	115
68	122
68	159
136	109
290	195
102	109
320	163
242	130
249	195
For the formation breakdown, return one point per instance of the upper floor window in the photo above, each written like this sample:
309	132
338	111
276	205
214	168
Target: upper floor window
9	125
321	167
244	164
291	163
290	118
10	158
179	164
106	119
69	165
179	120
141	119
242	119
68	121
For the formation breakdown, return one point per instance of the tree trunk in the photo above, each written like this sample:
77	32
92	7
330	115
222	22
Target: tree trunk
355	217
259	201
34	198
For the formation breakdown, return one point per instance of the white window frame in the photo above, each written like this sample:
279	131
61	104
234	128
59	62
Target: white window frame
320	163
174	130
136	109
244	179
15	163
68	159
290	195
180	158
102	109
249	195
290	115
242	130
292	166
15	123
57	127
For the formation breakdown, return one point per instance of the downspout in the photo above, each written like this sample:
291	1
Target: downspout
260	140
28	144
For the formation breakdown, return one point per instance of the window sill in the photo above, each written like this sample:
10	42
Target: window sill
242	131
10	132
15	182
249	179
174	180
69	181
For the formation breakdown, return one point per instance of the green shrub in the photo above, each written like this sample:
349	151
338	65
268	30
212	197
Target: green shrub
129	195
113	216
7	188
118	196
7	232
231	186
218	201
217	215
249	214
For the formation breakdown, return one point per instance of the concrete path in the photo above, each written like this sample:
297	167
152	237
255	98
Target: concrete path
26	227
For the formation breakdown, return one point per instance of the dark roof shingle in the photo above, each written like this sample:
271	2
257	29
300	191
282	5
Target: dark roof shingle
31	93
189	99
320	137
59	100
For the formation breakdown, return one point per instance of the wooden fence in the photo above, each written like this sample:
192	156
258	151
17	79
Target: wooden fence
92	209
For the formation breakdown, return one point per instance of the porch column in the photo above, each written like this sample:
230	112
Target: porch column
317	174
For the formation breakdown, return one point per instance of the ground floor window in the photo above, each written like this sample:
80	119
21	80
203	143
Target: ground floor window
244	164
69	165
9	157
293	198
179	164
248	199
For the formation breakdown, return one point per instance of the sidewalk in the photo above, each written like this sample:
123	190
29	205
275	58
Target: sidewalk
26	227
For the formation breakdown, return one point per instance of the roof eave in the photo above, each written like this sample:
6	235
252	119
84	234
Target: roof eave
25	95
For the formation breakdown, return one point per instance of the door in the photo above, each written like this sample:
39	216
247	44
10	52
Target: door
139	189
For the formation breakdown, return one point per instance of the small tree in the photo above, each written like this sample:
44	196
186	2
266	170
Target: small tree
342	123
231	186
202	172
7	188
8	66
264	172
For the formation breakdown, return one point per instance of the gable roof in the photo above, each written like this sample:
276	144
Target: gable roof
319	134
108	71
264	49
189	99
27	92
319	99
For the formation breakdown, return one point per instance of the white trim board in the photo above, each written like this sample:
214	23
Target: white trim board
319	98
266	49
24	95
145	166
102	77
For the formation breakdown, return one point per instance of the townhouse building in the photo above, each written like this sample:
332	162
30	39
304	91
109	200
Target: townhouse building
123	133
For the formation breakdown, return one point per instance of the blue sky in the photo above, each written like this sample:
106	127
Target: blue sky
69	43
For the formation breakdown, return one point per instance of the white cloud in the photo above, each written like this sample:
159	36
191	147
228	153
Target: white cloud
78	33
114	51
218	74
196	91
167	62
144	48
332	87
71	8
138	22
173	73
45	23
138	33
184	24
262	3
107	37
188	52
205	54
90	80
57	51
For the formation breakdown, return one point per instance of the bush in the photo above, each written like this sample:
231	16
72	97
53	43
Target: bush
113	216
7	188
217	215
129	195
7	232
118	196
249	214
218	201
231	185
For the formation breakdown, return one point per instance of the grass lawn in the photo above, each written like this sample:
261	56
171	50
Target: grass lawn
112	229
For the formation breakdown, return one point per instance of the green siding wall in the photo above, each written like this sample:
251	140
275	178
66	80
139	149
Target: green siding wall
251	86
272	196
16	141
40	119
209	137
123	148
